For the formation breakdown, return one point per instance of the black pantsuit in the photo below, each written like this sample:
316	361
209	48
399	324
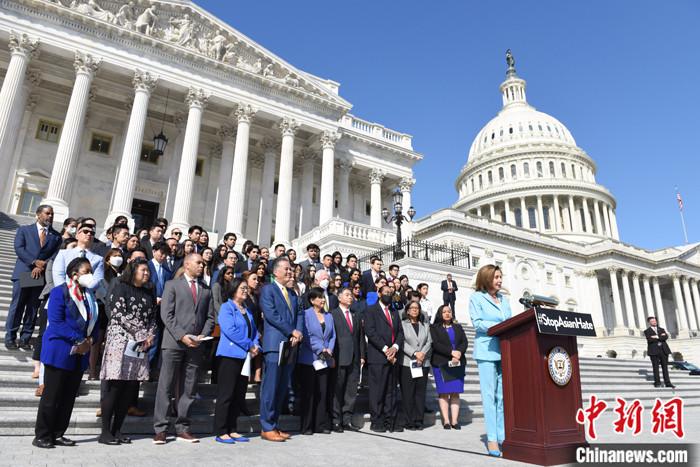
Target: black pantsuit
382	394
413	396
116	399
230	397
57	400
314	398
345	381
662	360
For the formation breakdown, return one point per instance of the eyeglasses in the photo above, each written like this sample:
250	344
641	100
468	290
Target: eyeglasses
87	231
177	234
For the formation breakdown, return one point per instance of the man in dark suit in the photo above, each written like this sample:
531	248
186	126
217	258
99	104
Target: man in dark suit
312	253
194	233
35	244
658	351
370	276
252	254
385	338
155	235
160	273
349	356
449	292
188	314
283	322
120	235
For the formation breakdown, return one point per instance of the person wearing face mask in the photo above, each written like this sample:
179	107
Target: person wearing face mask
321	280
68	230
72	317
385	339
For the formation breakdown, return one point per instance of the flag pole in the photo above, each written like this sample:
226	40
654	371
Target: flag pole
680	208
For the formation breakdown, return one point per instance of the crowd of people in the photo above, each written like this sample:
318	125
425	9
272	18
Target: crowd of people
129	308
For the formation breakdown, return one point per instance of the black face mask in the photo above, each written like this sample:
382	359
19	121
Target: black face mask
386	299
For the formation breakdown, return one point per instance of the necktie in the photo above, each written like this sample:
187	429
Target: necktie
42	237
325	305
193	287
349	320
286	298
159	271
82	253
391	324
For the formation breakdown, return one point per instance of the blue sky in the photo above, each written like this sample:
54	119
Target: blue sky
623	76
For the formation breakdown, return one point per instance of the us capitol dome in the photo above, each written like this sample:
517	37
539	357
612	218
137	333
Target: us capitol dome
525	169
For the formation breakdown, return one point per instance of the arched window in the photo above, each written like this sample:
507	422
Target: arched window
551	169
526	169
532	218
573	170
545	215
489	175
540	174
501	174
518	217
563	169
513	172
472	180
481	182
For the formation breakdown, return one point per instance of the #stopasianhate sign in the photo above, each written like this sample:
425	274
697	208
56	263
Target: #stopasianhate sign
564	323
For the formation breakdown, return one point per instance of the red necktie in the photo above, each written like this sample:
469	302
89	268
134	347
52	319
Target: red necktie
348	319
391	324
193	287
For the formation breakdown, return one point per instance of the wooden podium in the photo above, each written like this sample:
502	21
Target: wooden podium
540	415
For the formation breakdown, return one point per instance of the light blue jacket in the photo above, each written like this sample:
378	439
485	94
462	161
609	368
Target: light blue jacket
315	338
484	314
234	341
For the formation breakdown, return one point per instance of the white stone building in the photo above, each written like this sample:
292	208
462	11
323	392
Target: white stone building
261	148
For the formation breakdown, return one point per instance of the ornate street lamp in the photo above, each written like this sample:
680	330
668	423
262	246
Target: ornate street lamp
398	218
160	141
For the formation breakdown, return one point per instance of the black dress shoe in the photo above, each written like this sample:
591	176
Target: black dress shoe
447	426
410	427
11	345
25	347
670	386
456	427
378	429
108	441
307	432
657	385
63	441
43	443
123	439
350	427
396	429
419	427
338	428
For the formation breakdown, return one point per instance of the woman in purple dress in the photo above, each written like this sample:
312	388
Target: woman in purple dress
448	361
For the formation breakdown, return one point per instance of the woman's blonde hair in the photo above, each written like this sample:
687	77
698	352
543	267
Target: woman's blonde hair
484	278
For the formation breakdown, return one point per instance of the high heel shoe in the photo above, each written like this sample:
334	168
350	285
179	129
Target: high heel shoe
495	453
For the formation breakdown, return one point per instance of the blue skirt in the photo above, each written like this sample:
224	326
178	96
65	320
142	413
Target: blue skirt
447	387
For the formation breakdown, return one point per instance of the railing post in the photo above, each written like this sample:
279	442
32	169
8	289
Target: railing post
452	256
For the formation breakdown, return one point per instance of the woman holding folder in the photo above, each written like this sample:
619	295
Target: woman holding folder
315	363
415	365
488	307
237	346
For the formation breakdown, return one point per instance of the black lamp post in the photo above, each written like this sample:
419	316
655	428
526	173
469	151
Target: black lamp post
160	141
398	218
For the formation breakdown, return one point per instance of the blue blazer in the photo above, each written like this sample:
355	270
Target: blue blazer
484	314
234	341
159	286
65	328
280	321
315	339
28	248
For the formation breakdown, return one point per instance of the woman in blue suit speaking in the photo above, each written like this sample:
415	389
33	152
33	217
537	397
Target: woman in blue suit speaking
72	315
315	363
239	343
488	307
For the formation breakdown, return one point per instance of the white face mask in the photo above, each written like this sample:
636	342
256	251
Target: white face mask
324	284
85	280
116	261
72	231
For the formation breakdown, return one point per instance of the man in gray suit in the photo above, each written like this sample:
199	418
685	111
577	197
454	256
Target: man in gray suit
188	314
350	356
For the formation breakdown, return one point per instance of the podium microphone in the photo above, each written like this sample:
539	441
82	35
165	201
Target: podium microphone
528	300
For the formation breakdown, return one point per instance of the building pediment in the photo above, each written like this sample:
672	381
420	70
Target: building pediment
183	27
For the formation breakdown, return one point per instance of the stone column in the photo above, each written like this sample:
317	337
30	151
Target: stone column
236	200
648	297
557	215
69	144
306	195
641	317
692	322
509	214
540	215
179	121
196	100
12	195
598	225
606	219
575	224
344	202
13	97
144	83
492	211
696	297
613	224
227	133
660	315
478	211
376	177
288	128
524	218
327	201
586	216
617	304
629	307
680	307
270	148
566	218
